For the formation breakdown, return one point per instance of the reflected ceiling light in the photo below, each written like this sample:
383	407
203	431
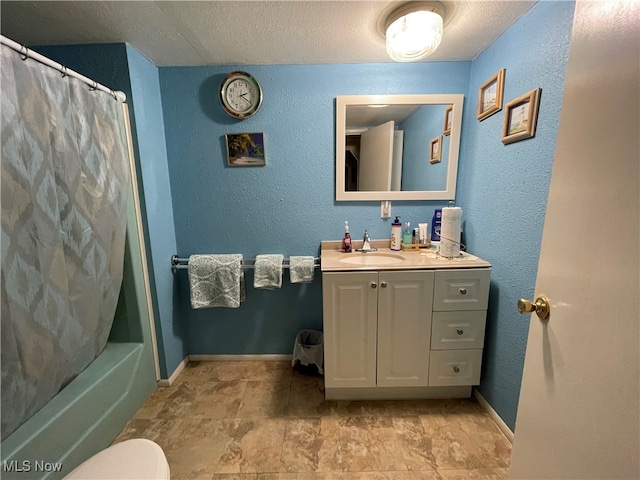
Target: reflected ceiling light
414	30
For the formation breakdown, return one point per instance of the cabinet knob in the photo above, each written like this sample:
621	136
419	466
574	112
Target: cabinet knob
456	369
374	284
463	291
460	331
383	284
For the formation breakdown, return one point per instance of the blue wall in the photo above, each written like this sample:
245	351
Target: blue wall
286	207
503	188
153	170
420	128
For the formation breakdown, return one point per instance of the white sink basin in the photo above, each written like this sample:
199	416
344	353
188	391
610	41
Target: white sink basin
372	259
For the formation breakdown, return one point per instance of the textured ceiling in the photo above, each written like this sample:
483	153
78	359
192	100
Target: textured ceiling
182	33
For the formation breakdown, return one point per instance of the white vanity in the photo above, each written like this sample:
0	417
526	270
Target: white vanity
403	324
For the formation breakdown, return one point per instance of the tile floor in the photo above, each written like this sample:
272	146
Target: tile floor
263	421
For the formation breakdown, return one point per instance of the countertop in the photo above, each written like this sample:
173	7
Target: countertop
331	258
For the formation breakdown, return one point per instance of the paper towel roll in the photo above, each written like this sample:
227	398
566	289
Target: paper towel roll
450	232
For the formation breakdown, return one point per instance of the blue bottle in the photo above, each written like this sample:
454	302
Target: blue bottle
436	225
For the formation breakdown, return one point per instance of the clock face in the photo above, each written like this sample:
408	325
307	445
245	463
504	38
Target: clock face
240	94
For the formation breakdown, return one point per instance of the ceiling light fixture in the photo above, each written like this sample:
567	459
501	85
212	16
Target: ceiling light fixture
414	30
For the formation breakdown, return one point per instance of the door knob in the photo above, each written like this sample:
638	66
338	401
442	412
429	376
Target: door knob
541	307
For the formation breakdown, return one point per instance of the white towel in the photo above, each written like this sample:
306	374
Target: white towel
268	271
215	280
301	269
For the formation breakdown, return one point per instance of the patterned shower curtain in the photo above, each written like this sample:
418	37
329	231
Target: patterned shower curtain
64	194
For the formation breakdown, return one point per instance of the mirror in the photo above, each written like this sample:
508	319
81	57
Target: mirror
384	148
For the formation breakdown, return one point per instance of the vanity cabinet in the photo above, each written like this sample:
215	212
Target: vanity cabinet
404	333
377	328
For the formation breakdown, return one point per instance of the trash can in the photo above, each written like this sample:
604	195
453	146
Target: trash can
308	352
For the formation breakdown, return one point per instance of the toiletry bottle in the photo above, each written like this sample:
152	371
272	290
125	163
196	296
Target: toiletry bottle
396	235
407	234
436	226
346	241
416	236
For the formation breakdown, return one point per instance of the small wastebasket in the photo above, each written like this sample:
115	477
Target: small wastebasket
308	352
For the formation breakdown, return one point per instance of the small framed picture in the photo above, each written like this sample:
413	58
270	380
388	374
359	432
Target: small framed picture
448	119
245	149
435	149
520	117
490	95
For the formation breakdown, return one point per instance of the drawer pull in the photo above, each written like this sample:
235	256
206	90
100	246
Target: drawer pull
456	369
459	331
383	284
463	291
374	284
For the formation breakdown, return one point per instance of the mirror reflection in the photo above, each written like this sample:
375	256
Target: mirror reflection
383	147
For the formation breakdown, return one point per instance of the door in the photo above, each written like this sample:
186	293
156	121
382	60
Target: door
396	168
579	401
405	301
349	302
376	154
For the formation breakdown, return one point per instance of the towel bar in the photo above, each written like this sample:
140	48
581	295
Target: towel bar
179	263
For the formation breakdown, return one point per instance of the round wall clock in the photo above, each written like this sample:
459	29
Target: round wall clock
240	94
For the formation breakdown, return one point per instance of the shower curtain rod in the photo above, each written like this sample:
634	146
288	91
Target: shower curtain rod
26	53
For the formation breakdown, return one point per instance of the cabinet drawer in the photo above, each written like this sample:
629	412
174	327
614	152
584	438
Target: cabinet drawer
461	289
454	367
458	330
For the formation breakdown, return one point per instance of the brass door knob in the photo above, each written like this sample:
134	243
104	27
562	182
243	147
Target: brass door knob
541	307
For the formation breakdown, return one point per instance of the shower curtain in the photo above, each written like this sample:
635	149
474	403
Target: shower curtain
64	193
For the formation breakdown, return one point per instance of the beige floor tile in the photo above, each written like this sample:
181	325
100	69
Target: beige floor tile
245	476
311	444
475	474
362	407
255	446
415	443
151	429
265	421
194	446
478	443
368	443
218	399
307	398
264	399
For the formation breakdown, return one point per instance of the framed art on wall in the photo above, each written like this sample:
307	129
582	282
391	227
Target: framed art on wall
490	95
435	149
521	117
448	119
245	149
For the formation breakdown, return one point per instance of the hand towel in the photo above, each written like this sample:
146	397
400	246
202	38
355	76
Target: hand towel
301	269
215	280
268	271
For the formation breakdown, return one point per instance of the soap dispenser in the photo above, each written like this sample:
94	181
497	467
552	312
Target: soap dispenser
346	241
396	235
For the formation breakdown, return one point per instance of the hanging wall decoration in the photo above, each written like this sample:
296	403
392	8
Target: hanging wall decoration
490	95
245	149
521	117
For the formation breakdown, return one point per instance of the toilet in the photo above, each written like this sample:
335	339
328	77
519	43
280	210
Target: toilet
137	459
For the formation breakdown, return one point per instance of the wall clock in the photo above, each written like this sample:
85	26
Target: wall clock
240	94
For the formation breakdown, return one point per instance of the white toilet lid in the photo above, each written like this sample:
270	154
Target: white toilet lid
137	459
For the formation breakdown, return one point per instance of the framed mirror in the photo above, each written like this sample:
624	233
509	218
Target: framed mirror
384	146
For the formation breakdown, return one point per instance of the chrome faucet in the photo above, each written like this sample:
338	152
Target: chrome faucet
366	244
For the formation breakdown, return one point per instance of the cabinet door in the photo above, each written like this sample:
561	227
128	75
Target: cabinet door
349	303
405	301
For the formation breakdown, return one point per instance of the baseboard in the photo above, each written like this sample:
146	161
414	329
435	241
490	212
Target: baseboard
272	357
504	428
167	382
